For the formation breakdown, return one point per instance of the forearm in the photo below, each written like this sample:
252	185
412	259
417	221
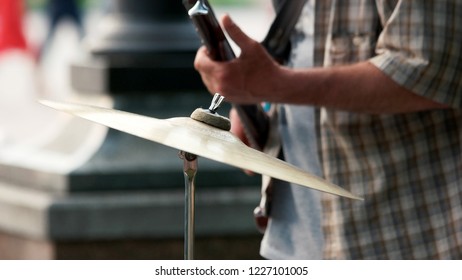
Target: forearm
360	87
254	77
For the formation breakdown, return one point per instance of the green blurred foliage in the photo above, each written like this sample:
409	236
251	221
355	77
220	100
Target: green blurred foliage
40	4
232	2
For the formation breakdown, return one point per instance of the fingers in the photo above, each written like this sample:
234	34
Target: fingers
204	65
238	130
236	126
201	58
236	33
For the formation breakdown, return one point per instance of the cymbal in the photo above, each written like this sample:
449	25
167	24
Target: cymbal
186	134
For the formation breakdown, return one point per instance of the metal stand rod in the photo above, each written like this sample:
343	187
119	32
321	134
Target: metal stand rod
189	170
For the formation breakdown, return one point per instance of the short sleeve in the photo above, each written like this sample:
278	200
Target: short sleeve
420	47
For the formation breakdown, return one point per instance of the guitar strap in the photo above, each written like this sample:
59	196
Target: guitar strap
277	40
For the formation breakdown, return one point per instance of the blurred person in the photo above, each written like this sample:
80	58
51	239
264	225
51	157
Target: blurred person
11	25
58	11
379	85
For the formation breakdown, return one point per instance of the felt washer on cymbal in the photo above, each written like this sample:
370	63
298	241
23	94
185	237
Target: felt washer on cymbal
211	118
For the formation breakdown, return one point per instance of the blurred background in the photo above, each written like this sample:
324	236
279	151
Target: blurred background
70	189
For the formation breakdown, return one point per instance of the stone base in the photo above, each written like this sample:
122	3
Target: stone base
207	248
17	248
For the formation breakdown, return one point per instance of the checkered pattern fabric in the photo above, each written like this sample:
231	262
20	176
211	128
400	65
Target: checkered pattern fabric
408	167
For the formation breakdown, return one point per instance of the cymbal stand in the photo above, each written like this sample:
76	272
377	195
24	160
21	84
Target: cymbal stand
210	117
189	170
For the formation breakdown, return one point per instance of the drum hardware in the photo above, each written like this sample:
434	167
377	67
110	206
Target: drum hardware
205	134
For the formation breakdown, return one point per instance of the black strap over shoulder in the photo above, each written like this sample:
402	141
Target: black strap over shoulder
277	41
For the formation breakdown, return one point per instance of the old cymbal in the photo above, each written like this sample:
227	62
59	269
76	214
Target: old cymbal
186	134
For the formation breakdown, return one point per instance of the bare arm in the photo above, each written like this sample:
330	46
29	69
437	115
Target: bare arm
255	77
359	87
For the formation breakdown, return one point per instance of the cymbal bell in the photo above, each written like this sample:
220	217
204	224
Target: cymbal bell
186	134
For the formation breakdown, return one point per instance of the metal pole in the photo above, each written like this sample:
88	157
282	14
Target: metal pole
189	170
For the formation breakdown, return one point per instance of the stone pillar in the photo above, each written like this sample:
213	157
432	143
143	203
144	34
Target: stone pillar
82	191
140	46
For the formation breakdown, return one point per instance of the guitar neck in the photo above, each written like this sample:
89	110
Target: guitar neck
254	119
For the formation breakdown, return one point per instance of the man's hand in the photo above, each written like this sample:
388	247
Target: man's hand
244	80
254	77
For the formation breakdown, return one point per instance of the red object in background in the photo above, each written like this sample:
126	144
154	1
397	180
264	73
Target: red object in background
11	25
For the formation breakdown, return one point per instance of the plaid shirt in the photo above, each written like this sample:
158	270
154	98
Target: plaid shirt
407	166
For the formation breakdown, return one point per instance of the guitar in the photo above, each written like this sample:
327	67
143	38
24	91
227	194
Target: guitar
255	121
